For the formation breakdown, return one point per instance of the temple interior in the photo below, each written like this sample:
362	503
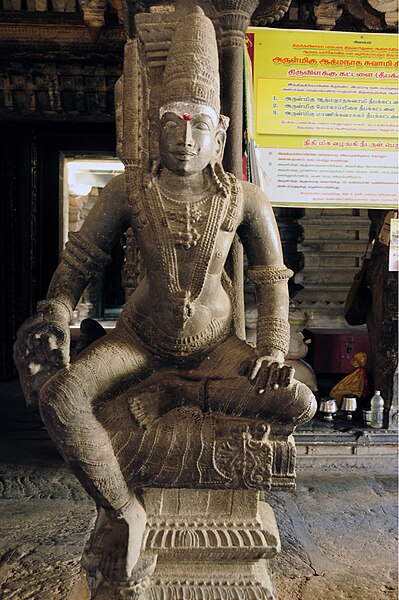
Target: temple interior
57	152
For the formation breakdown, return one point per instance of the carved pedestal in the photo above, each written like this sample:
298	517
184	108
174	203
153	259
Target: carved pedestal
201	541
208	545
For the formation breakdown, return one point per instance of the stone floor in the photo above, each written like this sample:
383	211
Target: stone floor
338	529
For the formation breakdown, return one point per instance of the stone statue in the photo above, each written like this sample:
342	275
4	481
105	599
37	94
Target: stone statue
144	405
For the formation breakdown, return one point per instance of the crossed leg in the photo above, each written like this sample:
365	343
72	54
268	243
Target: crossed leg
220	383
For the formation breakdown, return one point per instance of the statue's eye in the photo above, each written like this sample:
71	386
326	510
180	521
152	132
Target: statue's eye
202	126
169	125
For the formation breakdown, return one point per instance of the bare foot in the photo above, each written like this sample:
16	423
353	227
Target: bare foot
160	394
121	541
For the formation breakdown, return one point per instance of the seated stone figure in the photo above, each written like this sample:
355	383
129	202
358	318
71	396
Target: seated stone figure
140	406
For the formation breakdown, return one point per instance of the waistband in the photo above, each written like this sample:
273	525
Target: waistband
158	342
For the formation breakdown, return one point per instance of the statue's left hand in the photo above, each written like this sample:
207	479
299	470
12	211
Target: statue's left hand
270	372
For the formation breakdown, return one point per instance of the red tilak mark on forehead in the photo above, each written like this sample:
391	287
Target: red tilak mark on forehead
187	117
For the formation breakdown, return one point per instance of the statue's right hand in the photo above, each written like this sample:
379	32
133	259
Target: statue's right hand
42	347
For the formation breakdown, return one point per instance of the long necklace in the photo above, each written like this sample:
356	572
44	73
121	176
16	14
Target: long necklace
184	299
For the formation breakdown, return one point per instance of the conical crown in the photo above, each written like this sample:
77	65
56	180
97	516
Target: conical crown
192	67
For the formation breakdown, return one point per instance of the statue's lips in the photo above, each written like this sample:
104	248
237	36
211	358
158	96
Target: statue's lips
184	155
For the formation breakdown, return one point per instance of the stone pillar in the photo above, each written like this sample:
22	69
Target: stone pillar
233	21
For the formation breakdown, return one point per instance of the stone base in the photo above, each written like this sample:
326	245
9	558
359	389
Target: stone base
205	545
253	582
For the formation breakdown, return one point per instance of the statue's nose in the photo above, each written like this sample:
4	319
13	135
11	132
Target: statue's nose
187	134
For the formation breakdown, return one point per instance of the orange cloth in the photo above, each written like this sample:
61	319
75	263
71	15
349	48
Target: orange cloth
355	383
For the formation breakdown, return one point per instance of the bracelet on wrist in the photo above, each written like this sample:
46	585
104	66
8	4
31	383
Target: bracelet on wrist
54	304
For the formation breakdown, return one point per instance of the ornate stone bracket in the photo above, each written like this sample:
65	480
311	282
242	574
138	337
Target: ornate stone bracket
362	10
376	15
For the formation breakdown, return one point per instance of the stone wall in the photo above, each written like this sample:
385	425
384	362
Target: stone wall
66	77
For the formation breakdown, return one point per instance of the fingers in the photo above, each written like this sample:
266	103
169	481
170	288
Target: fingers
45	348
60	357
256	368
41	378
37	347
39	352
245	368
32	377
266	374
53	349
29	326
267	377
286	376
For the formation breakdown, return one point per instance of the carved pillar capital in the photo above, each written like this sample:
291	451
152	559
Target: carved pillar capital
269	11
93	15
327	14
361	10
389	8
234	19
232	38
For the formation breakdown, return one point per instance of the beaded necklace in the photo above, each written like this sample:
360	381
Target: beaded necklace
157	215
181	216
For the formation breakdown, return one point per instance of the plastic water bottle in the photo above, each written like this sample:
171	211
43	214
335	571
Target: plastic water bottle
377	411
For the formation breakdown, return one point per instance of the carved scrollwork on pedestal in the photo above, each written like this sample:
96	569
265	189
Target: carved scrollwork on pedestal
219	540
246	457
210	590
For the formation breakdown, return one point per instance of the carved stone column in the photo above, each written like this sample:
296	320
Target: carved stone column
327	13
233	19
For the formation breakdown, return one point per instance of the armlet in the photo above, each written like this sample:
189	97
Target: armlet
84	257
269	274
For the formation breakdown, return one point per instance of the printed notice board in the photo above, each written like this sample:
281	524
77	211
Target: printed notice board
323	111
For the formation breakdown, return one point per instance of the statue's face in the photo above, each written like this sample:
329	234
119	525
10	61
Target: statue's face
189	140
